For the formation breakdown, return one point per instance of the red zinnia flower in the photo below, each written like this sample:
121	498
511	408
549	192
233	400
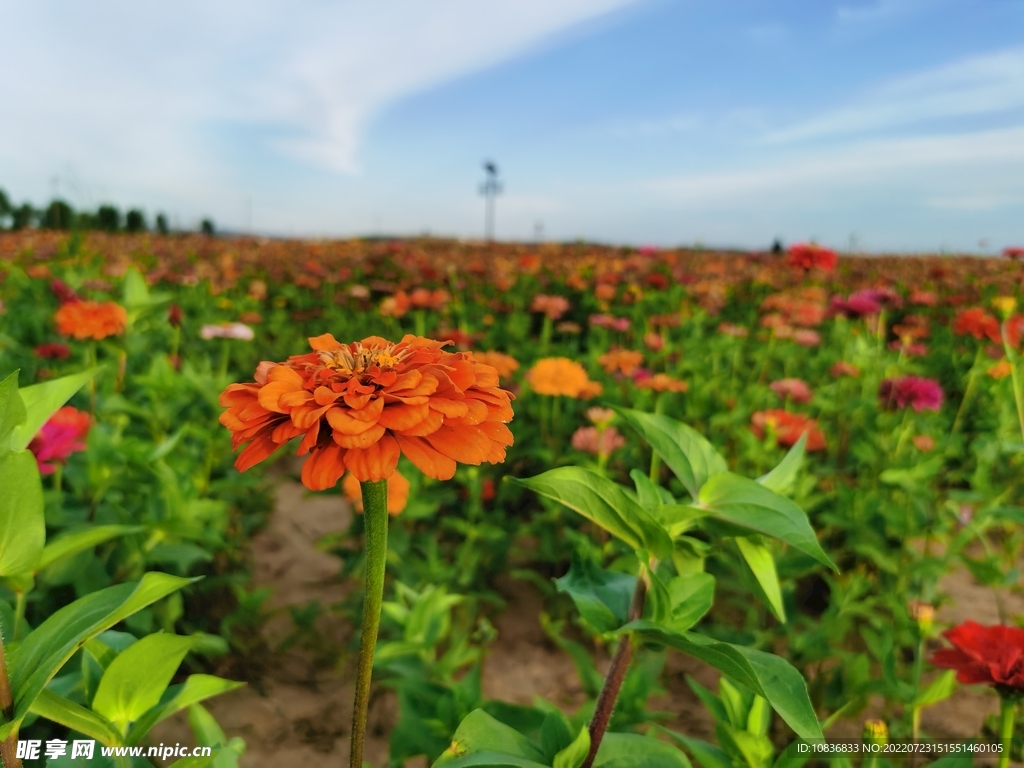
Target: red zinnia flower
1013	252
59	437
810	256
913	391
978	323
788	427
986	655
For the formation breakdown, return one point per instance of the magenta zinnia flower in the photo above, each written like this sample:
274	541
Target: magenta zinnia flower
59	437
911	391
792	389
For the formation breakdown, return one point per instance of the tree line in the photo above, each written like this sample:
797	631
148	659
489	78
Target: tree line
59	214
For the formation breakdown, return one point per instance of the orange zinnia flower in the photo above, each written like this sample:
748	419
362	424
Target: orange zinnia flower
91	319
662	382
358	406
504	364
398	492
622	360
561	376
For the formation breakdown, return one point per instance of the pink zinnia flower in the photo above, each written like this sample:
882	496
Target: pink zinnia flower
552	306
911	391
792	389
843	368
731	329
59	437
805	337
239	331
597	442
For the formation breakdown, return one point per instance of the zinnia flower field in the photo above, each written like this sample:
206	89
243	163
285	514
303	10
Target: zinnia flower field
574	505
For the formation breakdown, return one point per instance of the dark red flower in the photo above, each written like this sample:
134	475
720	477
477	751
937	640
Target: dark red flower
1013	252
64	292
911	391
53	350
984	655
175	316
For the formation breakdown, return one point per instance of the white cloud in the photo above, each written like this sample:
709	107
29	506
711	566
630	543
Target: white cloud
980	85
653	127
134	94
931	166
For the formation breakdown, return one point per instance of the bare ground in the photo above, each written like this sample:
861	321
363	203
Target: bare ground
299	711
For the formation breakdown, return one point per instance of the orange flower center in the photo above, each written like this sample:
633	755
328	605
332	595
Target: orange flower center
358	360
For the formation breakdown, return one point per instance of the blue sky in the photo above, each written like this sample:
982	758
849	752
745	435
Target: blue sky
871	124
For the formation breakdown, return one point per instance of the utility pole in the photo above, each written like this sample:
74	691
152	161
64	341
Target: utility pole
490	189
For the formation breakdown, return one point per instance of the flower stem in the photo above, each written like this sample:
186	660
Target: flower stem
616	674
375	512
1007	712
968	391
659	408
1011	355
545	334
915	711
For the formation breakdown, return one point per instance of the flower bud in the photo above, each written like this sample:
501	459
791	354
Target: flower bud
875	731
1004	305
923	614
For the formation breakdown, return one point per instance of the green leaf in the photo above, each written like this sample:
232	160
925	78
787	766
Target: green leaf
940	689
707	754
677	519
750	505
683	601
686	452
605	503
22	525
555	733
781	478
487	759
12	410
195	689
574	754
74	716
136	292
137	678
629	750
962	759
602	597
46	649
767	675
761	562
756	750
648	493
194	762
43	400
72	543
481	733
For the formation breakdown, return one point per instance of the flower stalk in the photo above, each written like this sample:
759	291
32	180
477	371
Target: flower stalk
375	511
1007	718
616	674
